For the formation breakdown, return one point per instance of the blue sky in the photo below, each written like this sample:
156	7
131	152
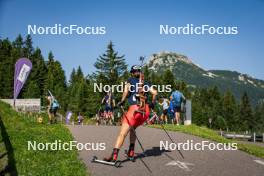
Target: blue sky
133	26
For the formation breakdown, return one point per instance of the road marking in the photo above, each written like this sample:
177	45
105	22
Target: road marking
182	165
259	161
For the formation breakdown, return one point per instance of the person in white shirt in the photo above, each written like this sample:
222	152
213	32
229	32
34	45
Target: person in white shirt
165	105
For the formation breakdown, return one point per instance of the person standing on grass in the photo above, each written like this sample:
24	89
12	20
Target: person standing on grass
177	98
171	112
53	106
165	105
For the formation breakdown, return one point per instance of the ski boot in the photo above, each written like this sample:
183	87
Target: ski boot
113	156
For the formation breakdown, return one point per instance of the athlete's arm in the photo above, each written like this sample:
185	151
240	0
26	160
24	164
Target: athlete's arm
183	97
114	102
154	94
103	100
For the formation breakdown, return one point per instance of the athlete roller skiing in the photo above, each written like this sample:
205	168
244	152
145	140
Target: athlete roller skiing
138	110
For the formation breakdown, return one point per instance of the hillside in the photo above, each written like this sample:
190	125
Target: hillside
17	129
195	76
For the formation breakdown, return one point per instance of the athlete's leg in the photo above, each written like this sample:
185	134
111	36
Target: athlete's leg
111	117
177	114
131	149
122	135
162	117
105	117
55	115
119	142
49	114
175	118
132	136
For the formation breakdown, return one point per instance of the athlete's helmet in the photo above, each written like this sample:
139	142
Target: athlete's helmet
135	68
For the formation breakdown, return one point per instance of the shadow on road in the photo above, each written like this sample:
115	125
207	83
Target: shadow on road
11	164
155	151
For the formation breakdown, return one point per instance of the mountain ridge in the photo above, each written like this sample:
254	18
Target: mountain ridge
185	69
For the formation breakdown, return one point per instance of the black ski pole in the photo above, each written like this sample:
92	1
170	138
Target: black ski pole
162	126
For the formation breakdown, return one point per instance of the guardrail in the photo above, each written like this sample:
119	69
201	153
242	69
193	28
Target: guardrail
250	137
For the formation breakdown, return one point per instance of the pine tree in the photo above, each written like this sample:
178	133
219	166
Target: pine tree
199	107
28	47
245	113
79	74
259	117
229	110
18	44
110	66
78	92
41	72
6	69
215	101
184	89
94	99
167	78
56	81
73	91
207	104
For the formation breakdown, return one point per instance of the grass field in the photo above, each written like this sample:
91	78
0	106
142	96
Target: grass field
16	159
212	135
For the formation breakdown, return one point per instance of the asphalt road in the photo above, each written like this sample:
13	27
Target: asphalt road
160	162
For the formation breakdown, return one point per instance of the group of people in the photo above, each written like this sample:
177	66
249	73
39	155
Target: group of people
137	112
69	114
105	113
172	108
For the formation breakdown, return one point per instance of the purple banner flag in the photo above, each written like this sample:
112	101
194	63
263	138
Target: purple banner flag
22	69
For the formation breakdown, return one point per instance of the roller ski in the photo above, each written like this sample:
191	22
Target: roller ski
115	163
111	160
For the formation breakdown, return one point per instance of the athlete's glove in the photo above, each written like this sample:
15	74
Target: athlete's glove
121	103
